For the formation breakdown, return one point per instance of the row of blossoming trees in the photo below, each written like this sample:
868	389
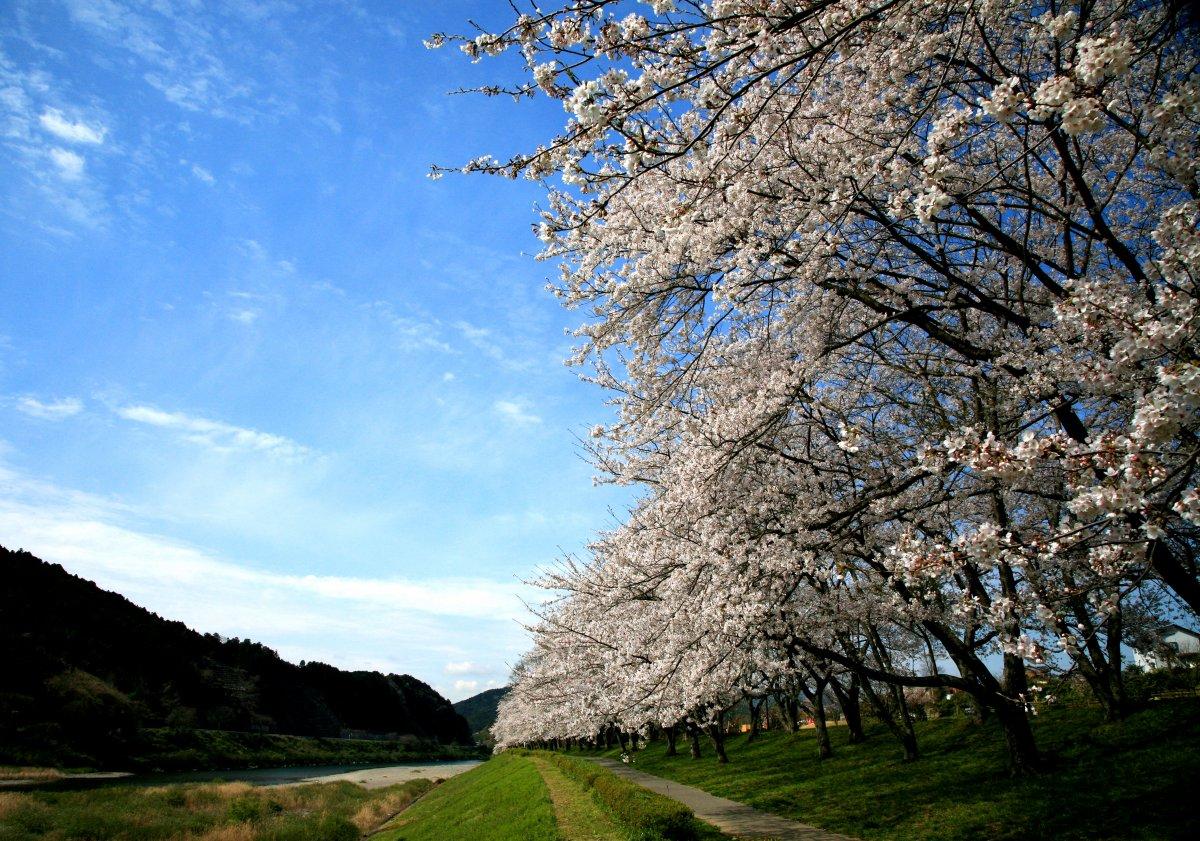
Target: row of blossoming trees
896	301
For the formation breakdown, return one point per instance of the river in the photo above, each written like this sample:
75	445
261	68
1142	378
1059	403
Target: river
371	776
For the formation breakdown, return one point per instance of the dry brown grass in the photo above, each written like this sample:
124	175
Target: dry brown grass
22	772
206	798
10	802
371	815
229	832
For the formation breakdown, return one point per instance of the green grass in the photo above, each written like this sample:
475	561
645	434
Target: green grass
208	812
1132	780
521	796
504	799
579	816
643	812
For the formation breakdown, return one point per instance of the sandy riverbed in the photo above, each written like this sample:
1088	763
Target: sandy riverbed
380	777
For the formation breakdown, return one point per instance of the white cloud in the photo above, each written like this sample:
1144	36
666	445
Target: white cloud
53	411
216	435
244	316
203	174
389	624
515	413
448	377
53	121
70	165
464	667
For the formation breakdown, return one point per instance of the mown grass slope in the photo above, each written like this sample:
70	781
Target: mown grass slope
1129	780
208	812
504	799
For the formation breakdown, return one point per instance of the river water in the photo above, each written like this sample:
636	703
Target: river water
372	776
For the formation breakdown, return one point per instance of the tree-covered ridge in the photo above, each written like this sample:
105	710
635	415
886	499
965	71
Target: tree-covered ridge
480	710
89	668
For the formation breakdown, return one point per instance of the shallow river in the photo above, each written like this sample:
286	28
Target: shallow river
372	776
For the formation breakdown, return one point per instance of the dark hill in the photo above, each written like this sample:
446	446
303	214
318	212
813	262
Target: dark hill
480	710
90	668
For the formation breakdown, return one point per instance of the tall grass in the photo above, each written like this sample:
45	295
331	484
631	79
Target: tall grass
205	812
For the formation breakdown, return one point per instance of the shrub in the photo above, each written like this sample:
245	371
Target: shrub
245	808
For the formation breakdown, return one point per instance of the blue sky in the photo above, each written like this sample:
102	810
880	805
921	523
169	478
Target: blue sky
257	371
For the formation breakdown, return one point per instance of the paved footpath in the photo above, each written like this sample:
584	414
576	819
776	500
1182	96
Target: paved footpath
736	819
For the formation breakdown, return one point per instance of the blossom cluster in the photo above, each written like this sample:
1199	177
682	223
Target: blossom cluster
897	304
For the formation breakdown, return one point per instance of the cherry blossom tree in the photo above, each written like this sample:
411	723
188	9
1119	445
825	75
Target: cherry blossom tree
897	302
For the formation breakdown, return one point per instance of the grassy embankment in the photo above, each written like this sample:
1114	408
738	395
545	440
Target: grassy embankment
503	799
206	812
1129	780
520	796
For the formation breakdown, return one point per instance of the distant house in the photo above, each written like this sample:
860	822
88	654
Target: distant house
1172	645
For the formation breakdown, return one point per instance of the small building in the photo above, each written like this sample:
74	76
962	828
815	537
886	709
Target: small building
1173	645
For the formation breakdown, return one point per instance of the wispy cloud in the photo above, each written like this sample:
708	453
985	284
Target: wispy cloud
413	331
244	316
516	413
53	121
54	410
203	174
216	435
391	624
485	341
70	165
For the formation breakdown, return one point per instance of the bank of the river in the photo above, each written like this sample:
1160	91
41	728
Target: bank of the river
236	811
369	776
167	749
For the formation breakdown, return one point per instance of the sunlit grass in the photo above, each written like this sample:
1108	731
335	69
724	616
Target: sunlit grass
1131	780
504	799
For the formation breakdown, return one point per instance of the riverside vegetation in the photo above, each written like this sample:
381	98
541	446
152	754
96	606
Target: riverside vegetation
205	812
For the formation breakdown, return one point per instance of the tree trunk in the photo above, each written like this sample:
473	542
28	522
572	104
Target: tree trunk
903	735
903	729
716	732
694	739
671	736
791	713
633	741
1023	755
824	749
622	740
608	738
848	700
755	711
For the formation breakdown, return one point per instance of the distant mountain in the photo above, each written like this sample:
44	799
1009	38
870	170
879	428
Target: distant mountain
88	667
480	710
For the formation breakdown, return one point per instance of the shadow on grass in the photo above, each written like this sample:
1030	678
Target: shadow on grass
1128	780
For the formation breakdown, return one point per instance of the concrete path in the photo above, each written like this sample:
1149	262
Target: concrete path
736	819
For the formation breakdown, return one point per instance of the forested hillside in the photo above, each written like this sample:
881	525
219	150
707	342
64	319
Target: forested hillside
88	669
480	710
